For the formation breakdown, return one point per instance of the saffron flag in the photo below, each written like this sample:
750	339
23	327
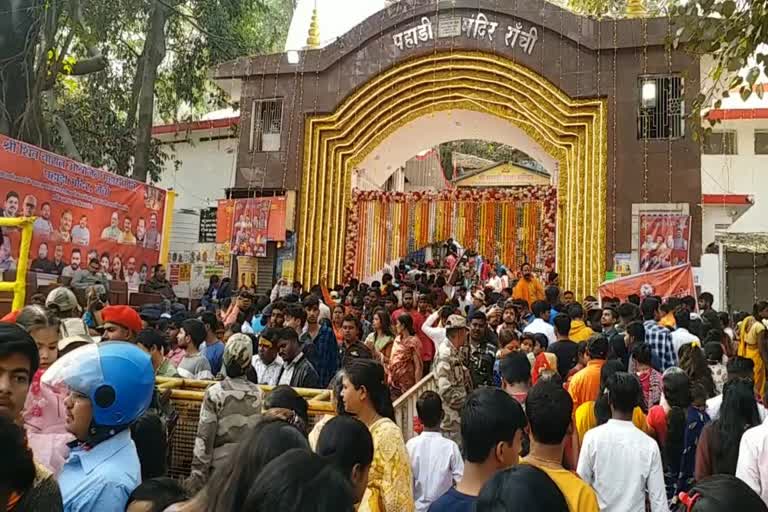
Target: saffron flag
668	282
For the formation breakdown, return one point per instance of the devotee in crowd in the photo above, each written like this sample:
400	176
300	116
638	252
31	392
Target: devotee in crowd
405	365
229	408
492	425
657	337
579	330
564	348
584	386
548	408
379	341
367	397
694	364
720	492
515	372
24	483
621	463
110	386
714	354
523	488
212	348
156	494
752	464
351	348
753	342
739	368
528	288
318	342
650	379
297	370
154	343
267	362
718	447
681	334
435	460
541	325
193	365
347	442
90	277
159	284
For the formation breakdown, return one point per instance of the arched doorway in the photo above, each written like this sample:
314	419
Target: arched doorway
573	132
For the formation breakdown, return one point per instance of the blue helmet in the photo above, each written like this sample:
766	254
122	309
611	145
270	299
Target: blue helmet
117	377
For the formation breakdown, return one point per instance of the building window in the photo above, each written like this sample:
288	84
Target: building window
660	108
761	142
722	142
266	125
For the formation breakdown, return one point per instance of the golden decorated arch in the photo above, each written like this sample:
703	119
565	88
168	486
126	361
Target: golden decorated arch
573	131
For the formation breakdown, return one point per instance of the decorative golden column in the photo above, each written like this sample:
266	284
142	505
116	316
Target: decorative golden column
313	38
636	9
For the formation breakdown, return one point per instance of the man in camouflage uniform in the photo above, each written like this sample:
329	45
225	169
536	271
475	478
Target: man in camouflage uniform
453	378
229	409
482	350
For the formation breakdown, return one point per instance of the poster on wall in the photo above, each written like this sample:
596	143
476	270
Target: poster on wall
669	282
190	271
247	271
622	264
286	256
664	241
81	213
248	224
207	230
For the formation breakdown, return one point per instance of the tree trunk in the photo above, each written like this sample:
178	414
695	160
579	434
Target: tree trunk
153	55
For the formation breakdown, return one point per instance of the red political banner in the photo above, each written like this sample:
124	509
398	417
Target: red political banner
81	212
664	240
668	282
248	224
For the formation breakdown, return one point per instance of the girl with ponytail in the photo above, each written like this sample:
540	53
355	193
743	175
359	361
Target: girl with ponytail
366	395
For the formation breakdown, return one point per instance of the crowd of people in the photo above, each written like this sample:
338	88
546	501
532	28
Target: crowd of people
536	402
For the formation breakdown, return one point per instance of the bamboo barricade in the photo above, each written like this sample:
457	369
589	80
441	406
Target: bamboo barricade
186	395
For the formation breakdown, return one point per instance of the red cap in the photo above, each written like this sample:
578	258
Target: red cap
124	316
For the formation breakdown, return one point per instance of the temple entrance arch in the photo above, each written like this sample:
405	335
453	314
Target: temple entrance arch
572	131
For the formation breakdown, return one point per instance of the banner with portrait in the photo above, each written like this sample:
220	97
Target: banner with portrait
668	282
82	213
665	241
248	224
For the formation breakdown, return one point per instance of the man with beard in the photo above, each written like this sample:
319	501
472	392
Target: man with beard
65	227
74	263
152	237
11	208
528	288
81	235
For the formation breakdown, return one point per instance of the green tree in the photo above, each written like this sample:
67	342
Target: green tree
89	78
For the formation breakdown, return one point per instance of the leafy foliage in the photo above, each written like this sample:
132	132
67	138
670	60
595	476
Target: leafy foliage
494	151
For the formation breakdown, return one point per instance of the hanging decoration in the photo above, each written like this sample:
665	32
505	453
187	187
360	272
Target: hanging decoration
513	225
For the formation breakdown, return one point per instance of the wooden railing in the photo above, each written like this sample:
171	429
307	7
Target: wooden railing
405	406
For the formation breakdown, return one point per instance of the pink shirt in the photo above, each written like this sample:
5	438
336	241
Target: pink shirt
45	422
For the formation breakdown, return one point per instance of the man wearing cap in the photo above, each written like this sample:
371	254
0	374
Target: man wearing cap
452	376
478	303
74	334
121	323
63	302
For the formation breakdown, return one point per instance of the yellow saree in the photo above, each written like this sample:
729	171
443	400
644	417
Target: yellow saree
389	482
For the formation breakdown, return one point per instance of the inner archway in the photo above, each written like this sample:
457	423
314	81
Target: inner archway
572	131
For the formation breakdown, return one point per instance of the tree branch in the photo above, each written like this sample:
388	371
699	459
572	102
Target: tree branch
88	66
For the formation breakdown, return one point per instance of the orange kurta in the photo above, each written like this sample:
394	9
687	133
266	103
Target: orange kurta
529	291
585	384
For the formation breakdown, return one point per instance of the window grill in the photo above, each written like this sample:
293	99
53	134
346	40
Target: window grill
266	125
660	107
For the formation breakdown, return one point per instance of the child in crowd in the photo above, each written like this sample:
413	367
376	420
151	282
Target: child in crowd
436	461
509	342
581	361
155	495
526	345
714	353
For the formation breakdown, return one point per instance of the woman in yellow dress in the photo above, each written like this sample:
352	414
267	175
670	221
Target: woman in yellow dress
753	335
366	396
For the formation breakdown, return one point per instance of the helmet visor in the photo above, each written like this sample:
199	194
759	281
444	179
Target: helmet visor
79	371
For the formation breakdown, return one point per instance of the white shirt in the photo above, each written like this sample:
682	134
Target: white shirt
539	326
436	334
622	464
325	312
495	283
714	403
267	373
752	467
436	463
681	336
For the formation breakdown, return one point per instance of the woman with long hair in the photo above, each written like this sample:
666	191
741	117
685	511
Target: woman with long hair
718	493
380	340
753	332
718	448
597	412
347	442
44	412
117	268
405	365
677	425
694	363
366	396
650	379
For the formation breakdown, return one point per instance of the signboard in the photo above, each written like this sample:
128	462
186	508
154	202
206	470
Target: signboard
248	224
669	282
247	271
207	232
81	213
664	241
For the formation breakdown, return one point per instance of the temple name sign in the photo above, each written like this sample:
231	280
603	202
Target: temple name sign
477	26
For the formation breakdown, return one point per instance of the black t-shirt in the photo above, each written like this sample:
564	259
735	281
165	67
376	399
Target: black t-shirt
567	353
